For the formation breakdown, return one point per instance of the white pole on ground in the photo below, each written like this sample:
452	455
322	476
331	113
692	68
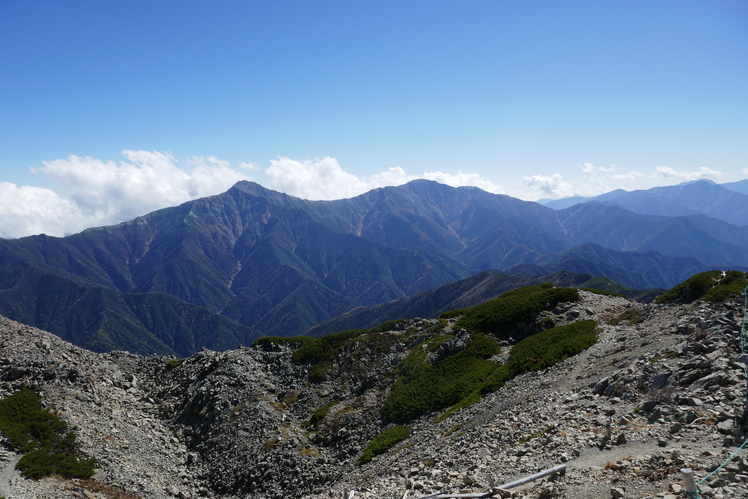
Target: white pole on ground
688	480
532	478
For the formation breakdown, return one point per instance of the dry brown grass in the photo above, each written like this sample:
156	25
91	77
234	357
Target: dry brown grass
108	491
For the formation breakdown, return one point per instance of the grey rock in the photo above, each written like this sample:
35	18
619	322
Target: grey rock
616	492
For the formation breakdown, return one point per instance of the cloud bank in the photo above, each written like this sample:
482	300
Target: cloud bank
324	179
92	192
703	172
555	187
30	210
628	176
598	180
550	187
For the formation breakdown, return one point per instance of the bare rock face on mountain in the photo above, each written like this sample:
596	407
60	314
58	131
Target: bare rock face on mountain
662	389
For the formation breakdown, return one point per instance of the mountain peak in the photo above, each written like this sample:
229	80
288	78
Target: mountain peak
703	180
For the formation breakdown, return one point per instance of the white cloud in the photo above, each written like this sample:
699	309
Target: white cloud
589	168
553	186
95	192
667	172
464	179
318	179
627	176
30	210
324	179
745	171
145	182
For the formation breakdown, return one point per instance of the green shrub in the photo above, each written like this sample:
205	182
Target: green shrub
270	444
419	354
511	308
49	447
174	363
544	350
458	380
383	442
549	347
320	413
472	398
423	387
631	317
318	372
386	326
709	285
733	283
547	322
313	352
335	339
323	352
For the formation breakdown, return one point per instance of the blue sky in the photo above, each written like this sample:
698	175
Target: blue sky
327	99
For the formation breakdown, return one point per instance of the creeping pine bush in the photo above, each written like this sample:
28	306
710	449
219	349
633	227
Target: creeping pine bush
423	387
460	379
544	350
631	317
321	353
174	363
48	445
320	413
733	283
710	286
383	442
267	342
513	307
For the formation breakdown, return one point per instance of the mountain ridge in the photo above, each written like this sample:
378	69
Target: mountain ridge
727	202
274	264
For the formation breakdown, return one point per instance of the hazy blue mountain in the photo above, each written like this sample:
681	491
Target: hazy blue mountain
709	240
560	204
645	270
740	186
702	197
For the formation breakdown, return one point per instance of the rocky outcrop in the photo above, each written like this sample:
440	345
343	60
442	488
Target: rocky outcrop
661	390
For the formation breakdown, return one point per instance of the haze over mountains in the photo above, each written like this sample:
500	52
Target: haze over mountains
728	202
221	271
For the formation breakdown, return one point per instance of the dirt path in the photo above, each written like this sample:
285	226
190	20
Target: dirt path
8	462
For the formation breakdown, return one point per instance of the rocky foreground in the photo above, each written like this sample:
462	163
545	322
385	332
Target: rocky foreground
662	390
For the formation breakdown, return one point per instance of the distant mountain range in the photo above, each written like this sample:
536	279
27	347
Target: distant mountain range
740	186
218	272
469	292
728	202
